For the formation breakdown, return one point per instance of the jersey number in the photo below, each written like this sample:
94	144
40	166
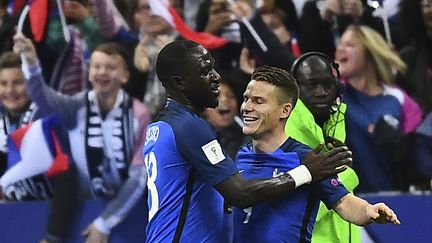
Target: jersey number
248	212
151	164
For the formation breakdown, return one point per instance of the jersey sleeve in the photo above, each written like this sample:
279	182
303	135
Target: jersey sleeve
197	142
330	191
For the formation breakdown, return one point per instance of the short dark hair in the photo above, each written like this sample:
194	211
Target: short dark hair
173	60
111	49
10	60
281	79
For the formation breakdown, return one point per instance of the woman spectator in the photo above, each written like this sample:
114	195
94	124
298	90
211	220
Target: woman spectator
378	111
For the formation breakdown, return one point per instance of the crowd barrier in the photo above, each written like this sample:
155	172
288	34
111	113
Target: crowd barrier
26	222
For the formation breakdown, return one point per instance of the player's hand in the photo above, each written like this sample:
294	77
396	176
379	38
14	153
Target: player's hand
23	45
332	143
323	165
382	214
93	235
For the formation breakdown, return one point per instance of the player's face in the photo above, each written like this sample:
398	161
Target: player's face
13	91
223	115
261	110
107	73
201	81
317	86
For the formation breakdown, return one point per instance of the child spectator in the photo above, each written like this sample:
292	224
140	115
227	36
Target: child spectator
18	110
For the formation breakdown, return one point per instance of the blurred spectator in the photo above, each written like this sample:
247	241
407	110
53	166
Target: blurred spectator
7	28
78	15
215	17
378	113
323	22
18	110
276	28
69	75
225	120
319	117
154	33
415	19
151	33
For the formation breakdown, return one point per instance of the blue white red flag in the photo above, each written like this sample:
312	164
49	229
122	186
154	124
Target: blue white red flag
35	149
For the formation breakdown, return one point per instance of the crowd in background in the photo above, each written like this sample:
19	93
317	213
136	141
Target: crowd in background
384	61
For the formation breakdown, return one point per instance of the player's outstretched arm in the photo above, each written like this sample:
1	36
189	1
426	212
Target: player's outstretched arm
358	211
316	166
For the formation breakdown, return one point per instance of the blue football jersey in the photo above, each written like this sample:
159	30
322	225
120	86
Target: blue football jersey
288	219
178	144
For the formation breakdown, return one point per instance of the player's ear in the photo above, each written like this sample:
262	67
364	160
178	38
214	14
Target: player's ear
286	110
178	82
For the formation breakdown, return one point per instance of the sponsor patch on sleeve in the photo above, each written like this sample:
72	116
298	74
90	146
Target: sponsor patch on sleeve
213	152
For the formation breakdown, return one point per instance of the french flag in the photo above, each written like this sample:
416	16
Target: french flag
35	149
165	10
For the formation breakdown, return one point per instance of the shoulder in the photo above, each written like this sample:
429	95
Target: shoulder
185	122
292	145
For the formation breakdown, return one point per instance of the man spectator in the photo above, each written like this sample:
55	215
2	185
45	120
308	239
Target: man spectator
319	116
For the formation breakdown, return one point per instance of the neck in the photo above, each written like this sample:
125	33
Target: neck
106	101
186	102
270	142
367	83
321	120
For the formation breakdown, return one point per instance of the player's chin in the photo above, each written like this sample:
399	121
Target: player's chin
248	131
